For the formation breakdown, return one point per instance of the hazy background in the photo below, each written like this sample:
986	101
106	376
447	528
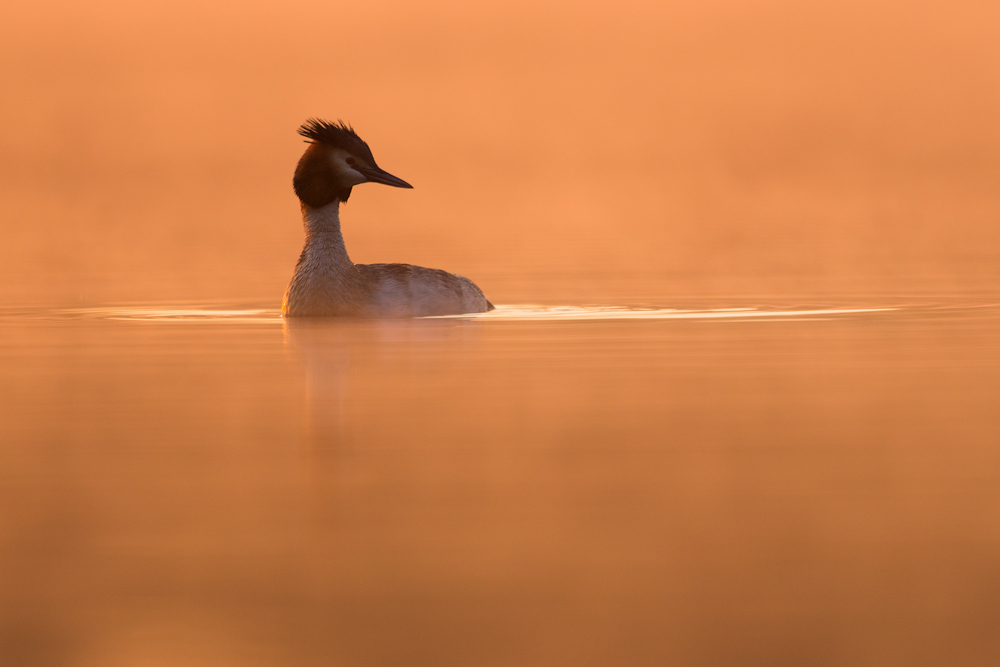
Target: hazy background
713	147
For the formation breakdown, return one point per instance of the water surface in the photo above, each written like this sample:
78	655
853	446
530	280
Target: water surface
766	481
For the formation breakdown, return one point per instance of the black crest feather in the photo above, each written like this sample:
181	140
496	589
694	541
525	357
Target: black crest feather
336	135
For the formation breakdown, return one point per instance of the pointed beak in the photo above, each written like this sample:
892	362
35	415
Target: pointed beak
376	175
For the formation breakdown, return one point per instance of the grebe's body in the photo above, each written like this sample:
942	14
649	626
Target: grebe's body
326	282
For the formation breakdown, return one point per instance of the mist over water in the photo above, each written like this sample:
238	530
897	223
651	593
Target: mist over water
719	148
737	404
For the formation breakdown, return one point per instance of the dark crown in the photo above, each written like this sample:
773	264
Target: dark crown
336	135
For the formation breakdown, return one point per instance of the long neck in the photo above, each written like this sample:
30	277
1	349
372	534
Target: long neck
324	242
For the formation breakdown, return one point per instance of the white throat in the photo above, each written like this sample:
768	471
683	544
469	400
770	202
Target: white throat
325	248
322	220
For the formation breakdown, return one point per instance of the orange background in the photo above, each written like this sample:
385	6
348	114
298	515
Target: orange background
566	151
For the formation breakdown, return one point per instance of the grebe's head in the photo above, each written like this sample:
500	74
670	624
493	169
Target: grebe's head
336	160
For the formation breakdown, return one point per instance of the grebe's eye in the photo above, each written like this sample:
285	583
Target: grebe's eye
351	161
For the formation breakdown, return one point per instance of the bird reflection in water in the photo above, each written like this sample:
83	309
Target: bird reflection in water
350	361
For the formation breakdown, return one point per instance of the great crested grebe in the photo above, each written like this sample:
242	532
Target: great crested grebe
326	281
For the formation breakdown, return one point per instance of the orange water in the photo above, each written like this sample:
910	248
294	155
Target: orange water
818	483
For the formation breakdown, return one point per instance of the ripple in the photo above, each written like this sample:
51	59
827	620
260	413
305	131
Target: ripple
174	314
219	313
546	313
